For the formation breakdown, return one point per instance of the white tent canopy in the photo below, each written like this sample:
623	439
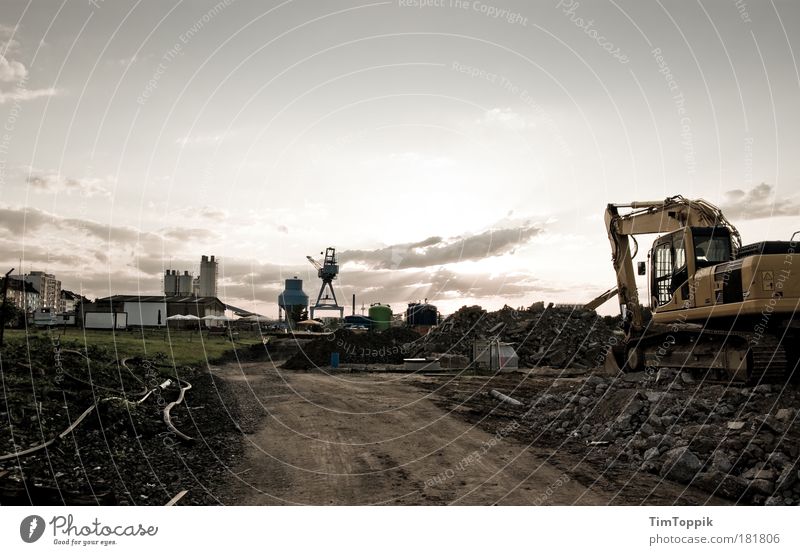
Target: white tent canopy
211	317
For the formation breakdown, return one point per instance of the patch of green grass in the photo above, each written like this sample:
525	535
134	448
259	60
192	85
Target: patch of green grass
181	347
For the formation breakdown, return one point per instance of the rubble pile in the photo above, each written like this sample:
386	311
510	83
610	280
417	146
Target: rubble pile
737	443
390	346
121	452
558	337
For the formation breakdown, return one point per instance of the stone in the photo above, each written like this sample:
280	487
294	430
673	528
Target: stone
584	401
687	378
788	477
654	396
594	381
765	474
655	420
634	377
720	462
736	425
761	487
721	484
646	429
650	453
665	375
680	465
704	445
784	414
769	423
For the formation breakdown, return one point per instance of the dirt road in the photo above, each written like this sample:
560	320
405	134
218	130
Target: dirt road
360	439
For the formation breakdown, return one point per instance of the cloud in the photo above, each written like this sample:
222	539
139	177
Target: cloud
436	251
11	71
101	259
759	202
21	94
188	234
283	229
505	118
54	183
32	223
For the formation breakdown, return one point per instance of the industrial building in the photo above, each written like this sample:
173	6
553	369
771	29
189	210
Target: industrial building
204	285
119	311
207	281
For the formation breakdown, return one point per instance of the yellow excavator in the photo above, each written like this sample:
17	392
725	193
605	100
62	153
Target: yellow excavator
726	311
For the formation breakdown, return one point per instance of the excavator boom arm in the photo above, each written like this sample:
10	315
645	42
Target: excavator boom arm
671	214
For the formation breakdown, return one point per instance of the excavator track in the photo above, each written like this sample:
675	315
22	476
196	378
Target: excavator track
722	356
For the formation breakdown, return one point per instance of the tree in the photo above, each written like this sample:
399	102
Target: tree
10	315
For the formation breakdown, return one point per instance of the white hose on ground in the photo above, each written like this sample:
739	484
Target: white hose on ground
505	398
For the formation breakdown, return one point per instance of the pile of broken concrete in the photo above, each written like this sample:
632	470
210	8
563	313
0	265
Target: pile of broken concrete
739	443
558	337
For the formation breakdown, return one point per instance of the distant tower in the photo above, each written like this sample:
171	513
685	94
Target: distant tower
327	271
185	283
207	285
170	282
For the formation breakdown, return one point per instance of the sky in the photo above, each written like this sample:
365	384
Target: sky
462	152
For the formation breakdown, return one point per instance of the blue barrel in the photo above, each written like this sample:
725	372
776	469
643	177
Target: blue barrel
334	360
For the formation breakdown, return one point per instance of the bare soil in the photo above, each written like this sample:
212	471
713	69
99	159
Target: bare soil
376	438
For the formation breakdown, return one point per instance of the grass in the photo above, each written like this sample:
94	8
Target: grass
182	347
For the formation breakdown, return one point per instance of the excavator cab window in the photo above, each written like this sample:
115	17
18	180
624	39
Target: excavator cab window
663	265
711	246
669	267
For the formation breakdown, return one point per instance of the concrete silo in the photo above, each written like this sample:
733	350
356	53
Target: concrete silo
292	302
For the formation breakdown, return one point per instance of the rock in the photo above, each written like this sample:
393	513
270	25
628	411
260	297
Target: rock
650	453
788	477
653	396
720	462
763	388
761	487
774	501
777	459
769	423
655	420
784	414
687	378
584	401
594	381
666	375
704	445
646	429
639	444
634	377
736	425
719	483
765	474
668	420
680	465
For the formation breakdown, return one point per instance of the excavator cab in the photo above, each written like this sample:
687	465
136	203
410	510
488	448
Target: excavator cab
676	257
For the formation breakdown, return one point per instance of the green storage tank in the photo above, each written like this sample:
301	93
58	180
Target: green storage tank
381	316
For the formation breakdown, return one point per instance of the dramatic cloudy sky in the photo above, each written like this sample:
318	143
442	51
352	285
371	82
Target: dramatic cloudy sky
460	151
